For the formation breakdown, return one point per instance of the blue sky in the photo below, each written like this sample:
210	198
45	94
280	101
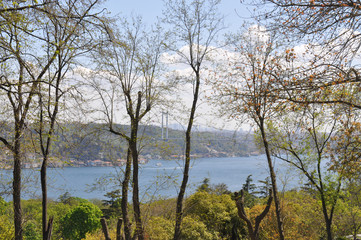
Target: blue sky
233	10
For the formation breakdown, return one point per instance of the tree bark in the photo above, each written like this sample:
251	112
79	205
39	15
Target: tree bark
133	148
273	180
125	188
105	228
252	231
328	220
119	229
179	207
47	226
17	189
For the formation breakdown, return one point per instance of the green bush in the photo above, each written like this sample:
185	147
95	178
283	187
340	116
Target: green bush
217	212
31	232
6	228
192	229
160	228
83	219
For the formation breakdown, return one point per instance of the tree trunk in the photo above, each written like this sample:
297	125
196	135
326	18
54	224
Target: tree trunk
125	187
119	229
252	231
17	187
328	221
105	228
179	207
136	203
46	226
273	180
329	229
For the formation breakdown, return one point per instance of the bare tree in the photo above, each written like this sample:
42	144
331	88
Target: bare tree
330	29
53	88
22	37
305	139
128	79
195	26
245	90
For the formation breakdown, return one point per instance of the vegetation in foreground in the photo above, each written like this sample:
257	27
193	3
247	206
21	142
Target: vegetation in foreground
210	213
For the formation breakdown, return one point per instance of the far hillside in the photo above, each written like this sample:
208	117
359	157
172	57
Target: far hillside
81	144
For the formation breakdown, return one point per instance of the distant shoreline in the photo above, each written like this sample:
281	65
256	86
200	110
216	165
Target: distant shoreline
118	163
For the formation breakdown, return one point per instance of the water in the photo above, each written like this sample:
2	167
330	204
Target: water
158	178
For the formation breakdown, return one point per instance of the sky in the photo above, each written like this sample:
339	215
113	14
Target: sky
234	11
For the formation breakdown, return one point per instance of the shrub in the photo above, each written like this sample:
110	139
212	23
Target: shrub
81	220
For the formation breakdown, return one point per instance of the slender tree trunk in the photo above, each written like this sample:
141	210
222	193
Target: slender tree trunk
105	228
179	207
329	229
273	180
119	229
125	188
17	187
44	198
328	220
47	225
136	203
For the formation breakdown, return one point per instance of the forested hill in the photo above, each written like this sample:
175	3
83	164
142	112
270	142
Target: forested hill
89	142
77	143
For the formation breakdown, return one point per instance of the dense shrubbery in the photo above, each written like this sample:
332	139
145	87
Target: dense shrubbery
73	218
210	213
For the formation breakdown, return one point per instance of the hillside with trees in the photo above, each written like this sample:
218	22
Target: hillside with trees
79	145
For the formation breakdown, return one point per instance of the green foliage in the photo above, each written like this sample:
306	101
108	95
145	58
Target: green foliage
204	186
218	189
249	192
32	219
248	186
31	231
193	229
217	212
113	205
79	221
3	206
6	228
160	228
66	198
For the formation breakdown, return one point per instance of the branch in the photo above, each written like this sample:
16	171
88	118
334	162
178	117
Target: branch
14	9
7	144
118	133
260	217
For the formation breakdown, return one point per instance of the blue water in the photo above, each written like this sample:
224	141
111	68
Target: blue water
159	178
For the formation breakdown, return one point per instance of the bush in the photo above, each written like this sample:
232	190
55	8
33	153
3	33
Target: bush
160	228
217	212
81	220
192	229
31	232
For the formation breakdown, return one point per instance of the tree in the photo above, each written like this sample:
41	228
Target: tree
330	30
73	19
195	26
81	220
22	36
351	213
127	78
114	204
246	90
253	232
306	139
325	21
